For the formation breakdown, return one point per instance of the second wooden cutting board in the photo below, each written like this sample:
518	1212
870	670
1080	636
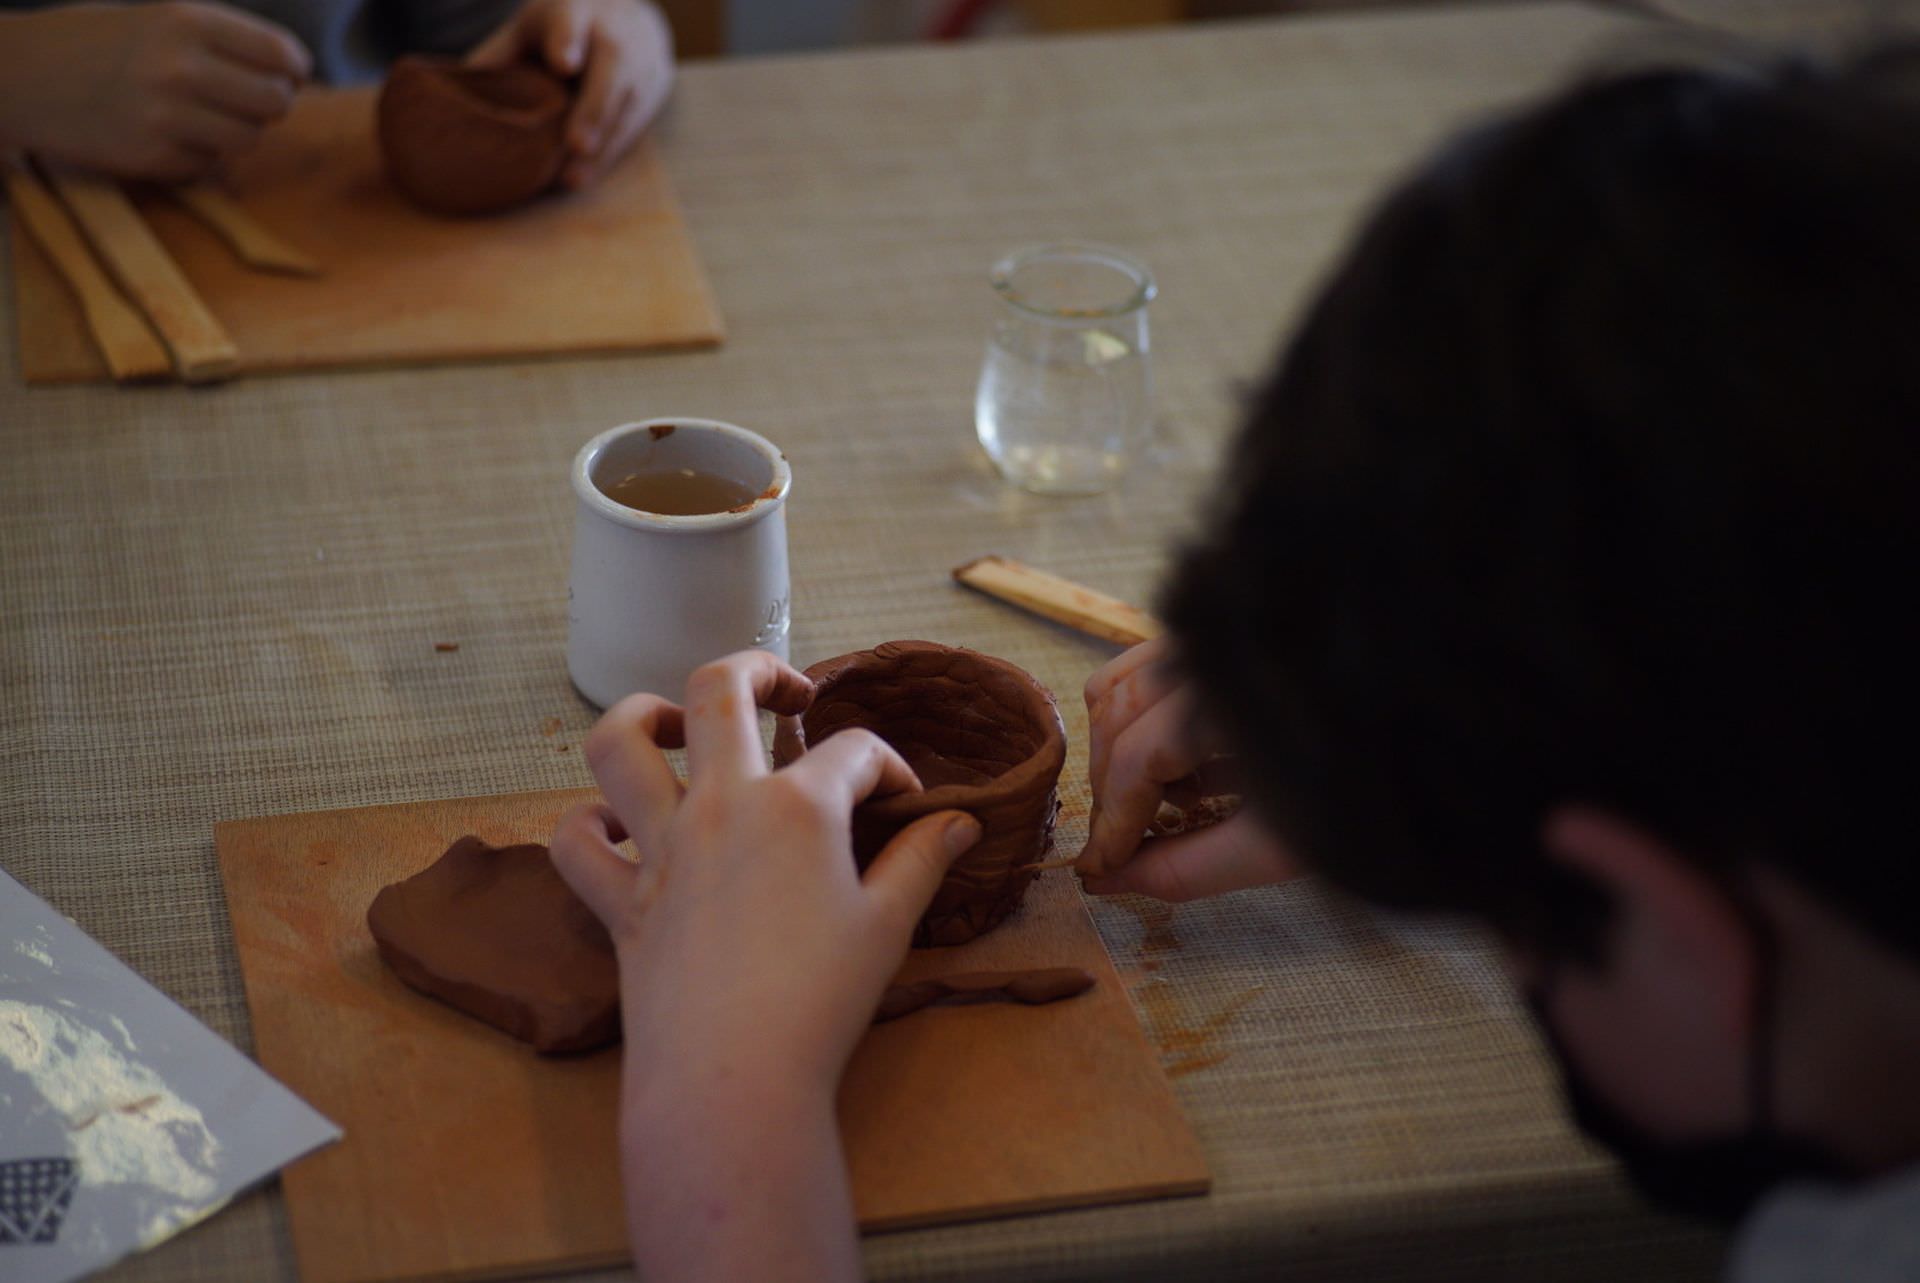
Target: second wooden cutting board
467	1156
607	270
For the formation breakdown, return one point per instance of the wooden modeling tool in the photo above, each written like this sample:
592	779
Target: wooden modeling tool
252	242
202	351
1060	600
129	348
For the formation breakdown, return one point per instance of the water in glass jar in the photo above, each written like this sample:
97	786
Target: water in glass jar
1059	409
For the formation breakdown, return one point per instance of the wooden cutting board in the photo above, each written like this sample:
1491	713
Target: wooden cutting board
467	1156
611	269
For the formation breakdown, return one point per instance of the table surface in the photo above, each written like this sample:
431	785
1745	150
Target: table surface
226	602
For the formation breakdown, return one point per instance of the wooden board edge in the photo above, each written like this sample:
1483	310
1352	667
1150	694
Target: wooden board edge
72	376
696	261
238	821
614	1260
483	1274
1190	1187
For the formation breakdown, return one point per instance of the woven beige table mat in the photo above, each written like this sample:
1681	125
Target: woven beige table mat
227	602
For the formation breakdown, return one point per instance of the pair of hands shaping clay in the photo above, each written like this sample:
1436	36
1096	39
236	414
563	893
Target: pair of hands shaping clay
496	933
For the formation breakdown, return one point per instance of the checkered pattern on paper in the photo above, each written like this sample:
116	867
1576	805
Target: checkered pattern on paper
34	1195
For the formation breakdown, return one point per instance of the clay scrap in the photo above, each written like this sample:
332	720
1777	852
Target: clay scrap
983	736
1034	988
470	140
494	932
1203	813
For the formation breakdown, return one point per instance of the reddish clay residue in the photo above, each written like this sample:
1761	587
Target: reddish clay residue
1200	1036
139	1106
1194	1064
1156	925
446	648
551	727
1189	1044
771	492
661	431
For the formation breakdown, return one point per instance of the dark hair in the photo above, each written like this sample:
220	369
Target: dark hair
1591	477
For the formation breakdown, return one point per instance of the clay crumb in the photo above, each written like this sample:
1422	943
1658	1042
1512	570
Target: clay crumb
566	748
551	727
446	648
659	430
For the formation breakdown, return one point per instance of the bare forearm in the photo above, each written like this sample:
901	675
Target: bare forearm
752	952
161	91
725	1182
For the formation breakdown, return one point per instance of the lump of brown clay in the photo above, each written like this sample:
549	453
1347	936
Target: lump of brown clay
983	737
468	140
496	933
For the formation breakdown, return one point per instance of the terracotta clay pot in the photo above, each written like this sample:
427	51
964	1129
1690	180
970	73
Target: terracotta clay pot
984	738
462	140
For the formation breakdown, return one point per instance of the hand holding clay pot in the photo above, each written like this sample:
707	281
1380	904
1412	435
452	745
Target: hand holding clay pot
983	737
620	52
461	140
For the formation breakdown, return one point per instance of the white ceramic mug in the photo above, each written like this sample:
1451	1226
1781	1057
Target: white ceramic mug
653	597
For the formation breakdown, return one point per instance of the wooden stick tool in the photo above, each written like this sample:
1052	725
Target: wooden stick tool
1060	600
251	241
130	349
202	351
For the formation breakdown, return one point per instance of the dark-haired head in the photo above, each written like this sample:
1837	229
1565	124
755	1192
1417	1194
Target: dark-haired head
1593	477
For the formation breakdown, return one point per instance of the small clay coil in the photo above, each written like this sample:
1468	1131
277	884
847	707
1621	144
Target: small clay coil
1033	988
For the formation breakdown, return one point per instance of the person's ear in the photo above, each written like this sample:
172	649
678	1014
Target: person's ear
1674	931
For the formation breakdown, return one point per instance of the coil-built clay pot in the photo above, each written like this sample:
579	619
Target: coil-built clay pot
468	140
983	737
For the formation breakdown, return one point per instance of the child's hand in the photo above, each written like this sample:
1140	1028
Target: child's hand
166	91
1143	753
752	956
744	922
622	51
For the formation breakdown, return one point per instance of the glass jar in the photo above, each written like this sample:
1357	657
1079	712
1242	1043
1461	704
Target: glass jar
1066	388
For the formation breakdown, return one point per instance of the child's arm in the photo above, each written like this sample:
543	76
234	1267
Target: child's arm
752	956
